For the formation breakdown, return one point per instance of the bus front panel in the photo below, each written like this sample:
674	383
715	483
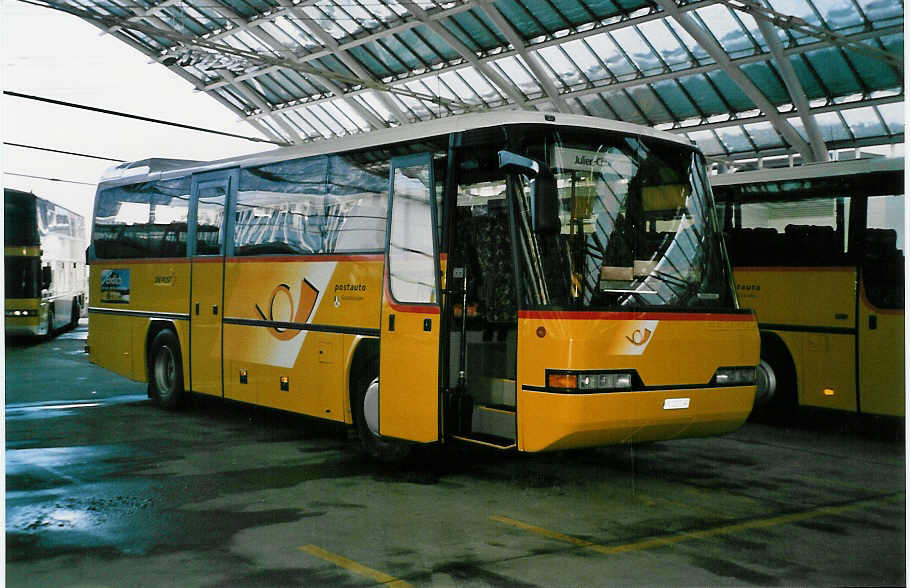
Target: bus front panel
591	379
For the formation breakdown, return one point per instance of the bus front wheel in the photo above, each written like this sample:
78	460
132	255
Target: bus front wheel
365	408
166	370
775	397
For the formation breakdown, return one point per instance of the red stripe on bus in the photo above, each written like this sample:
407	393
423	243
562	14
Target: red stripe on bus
633	316
793	268
307	258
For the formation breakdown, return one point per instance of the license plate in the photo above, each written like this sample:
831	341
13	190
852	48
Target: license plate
676	403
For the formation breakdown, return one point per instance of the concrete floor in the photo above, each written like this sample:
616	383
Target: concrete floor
104	489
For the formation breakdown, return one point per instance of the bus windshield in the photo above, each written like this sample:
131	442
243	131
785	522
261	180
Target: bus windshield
638	227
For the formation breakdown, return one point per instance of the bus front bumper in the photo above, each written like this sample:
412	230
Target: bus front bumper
24	326
549	421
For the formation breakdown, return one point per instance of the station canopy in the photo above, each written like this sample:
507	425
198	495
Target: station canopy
744	79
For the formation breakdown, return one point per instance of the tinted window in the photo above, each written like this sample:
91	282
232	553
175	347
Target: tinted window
883	252
324	204
142	220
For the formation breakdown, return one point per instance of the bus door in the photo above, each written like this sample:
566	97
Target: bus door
410	327
207	230
881	308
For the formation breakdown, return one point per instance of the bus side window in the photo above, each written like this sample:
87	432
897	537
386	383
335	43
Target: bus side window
883	256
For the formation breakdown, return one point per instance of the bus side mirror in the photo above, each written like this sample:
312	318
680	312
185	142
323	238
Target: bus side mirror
544	198
46	277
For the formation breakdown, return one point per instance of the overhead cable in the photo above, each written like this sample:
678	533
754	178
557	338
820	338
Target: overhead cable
63	152
138	117
6	173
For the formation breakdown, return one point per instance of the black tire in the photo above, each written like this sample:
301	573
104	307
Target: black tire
775	399
166	370
74	315
50	323
364	401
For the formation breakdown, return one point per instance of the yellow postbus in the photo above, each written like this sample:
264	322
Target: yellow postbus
817	252
520	280
44	265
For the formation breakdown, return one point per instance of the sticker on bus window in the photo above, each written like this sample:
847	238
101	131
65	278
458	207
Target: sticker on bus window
115	286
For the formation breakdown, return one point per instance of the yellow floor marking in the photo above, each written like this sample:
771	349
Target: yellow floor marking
353	566
690	535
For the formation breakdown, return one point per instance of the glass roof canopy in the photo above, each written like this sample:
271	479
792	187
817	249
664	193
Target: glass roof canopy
742	78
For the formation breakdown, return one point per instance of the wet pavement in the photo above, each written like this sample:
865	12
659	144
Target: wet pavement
105	489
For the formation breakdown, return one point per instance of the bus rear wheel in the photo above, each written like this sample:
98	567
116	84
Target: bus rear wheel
365	409
166	370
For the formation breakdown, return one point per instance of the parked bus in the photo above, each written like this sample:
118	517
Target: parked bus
818	253
44	265
520	280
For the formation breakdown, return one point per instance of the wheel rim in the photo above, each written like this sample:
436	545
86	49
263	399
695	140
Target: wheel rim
165	370
767	383
371	407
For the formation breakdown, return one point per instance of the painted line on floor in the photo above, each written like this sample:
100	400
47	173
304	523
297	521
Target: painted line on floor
352	566
665	540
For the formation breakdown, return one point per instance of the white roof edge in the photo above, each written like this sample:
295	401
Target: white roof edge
414	131
812	170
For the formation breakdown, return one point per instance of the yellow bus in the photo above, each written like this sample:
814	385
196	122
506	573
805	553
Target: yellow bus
520	280
817	252
44	265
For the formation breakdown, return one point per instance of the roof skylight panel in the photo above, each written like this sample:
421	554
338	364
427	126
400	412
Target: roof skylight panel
734	139
662	39
239	7
515	70
765	77
315	17
703	92
582	54
416	42
630	42
708	142
893	115
763	135
458	85
864	122
314	121
481	86
474	29
366	19
675	100
834	71
372	102
523	21
595	105
328	118
617	63
882	13
649	104
832	127
180	20
698	52
433	86
564	70
717	20
296	33
625	109
366	58
340	16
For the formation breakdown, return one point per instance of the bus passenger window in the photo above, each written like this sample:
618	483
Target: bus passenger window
883	252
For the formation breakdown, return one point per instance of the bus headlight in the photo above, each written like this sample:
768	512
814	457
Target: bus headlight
734	376
590	381
26	312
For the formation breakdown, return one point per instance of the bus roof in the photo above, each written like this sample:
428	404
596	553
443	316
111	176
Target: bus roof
811	171
149	168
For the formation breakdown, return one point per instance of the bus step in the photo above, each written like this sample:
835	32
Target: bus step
494	420
488	441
